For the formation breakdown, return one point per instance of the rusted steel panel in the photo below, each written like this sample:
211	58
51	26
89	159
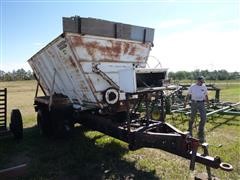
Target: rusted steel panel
68	62
92	48
69	78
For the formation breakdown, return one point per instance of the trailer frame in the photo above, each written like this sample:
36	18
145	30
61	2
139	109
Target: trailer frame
135	129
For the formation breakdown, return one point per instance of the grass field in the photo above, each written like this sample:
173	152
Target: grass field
93	155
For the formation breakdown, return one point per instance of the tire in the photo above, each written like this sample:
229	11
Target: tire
121	116
63	126
16	124
155	114
44	123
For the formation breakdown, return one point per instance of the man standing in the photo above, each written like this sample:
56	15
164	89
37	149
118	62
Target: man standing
199	95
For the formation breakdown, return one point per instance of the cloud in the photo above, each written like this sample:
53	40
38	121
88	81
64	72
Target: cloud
232	21
198	49
174	23
219	25
10	66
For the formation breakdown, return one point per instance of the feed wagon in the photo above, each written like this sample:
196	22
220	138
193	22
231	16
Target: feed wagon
95	74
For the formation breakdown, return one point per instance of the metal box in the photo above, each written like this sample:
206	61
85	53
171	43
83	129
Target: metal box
88	59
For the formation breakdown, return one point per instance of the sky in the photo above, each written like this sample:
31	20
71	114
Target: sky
189	35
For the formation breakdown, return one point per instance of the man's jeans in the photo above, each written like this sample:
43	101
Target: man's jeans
198	106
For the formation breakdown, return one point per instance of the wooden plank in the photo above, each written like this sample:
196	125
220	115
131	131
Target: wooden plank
97	27
71	25
105	28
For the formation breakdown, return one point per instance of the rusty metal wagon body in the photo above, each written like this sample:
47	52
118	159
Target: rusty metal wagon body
95	74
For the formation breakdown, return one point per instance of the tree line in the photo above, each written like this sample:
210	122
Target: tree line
209	75
21	74
16	75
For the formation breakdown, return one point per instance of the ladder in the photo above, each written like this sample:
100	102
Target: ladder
3	109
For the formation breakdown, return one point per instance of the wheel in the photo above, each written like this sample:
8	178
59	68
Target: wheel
16	125
63	126
44	122
155	114
111	96
168	105
121	116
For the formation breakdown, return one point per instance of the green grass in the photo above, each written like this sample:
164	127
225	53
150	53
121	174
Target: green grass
92	155
20	95
230	92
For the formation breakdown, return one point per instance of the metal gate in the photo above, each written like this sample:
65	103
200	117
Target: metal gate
3	109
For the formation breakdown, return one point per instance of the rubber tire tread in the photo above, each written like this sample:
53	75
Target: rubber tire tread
44	122
16	124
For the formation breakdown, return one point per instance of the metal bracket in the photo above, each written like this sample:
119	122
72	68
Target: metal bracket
205	152
104	75
52	90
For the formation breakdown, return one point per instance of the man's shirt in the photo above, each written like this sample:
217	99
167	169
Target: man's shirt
198	93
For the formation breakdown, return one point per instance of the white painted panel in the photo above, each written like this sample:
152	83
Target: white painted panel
95	49
127	80
104	66
72	57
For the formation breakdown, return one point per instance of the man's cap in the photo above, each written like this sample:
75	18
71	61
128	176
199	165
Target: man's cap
201	78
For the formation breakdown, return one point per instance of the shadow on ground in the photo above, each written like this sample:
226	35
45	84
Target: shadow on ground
213	122
76	157
219	121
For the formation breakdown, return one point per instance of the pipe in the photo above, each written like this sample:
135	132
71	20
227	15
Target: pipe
222	109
